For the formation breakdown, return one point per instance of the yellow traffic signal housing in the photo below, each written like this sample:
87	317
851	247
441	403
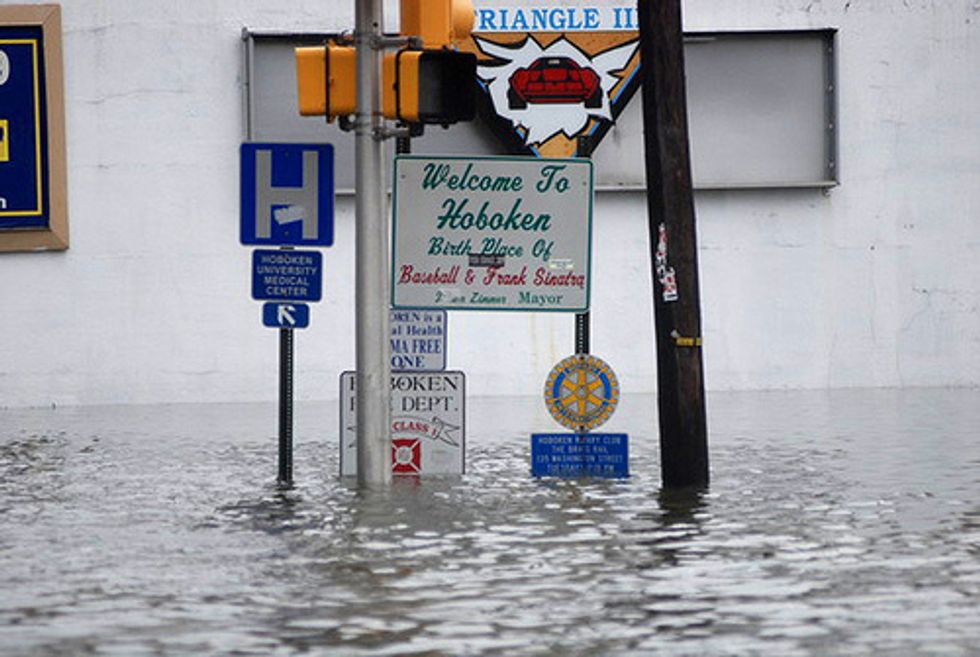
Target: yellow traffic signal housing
326	81
439	23
429	86
433	86
436	84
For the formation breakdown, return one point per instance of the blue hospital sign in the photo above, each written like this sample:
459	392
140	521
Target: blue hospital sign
24	194
287	193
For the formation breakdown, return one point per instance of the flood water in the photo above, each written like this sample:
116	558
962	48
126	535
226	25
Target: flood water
837	523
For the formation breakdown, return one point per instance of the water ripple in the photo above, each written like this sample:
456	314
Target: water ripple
836	524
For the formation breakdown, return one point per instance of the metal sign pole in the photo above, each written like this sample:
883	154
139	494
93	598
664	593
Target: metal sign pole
285	407
583	320
285	478
371	277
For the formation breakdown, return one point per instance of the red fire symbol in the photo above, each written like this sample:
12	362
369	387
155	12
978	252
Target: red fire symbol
406	456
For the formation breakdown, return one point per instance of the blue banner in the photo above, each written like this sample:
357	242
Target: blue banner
23	129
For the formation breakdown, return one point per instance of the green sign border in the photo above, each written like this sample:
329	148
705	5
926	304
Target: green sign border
458	158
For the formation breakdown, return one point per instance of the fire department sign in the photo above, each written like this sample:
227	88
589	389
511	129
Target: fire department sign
552	74
428	423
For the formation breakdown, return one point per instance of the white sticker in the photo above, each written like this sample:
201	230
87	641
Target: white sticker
665	273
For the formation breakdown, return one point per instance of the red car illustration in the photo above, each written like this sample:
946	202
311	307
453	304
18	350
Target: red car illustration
554	80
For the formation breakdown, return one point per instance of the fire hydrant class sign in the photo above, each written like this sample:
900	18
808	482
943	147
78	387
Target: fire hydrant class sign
496	233
428	423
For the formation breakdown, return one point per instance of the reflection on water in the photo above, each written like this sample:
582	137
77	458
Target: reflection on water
843	523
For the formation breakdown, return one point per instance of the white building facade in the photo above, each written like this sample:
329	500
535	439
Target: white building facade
872	283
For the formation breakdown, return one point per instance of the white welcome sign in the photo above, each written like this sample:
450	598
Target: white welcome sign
501	233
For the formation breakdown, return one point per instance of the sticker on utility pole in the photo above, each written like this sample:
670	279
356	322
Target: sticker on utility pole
497	233
428	422
665	273
418	340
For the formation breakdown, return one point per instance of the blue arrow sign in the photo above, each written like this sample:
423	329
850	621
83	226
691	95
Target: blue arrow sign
287	193
580	455
287	275
286	315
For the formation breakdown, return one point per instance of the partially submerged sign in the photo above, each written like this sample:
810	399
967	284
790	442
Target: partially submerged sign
533	216
428	421
579	455
418	339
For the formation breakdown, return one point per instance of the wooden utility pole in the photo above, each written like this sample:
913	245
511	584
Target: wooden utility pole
673	244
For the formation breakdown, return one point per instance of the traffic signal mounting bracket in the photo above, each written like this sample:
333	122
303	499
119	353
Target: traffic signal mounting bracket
385	42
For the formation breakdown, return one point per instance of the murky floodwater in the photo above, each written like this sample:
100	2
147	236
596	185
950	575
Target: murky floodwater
844	523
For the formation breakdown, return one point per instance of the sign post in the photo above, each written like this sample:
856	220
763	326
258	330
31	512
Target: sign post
286	201
371	256
583	320
285	407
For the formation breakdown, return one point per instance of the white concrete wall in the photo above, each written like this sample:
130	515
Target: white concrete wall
876	283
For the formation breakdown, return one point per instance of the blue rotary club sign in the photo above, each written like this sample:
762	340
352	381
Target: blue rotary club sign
24	190
581	393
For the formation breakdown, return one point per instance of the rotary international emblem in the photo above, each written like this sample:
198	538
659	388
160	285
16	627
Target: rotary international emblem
581	392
